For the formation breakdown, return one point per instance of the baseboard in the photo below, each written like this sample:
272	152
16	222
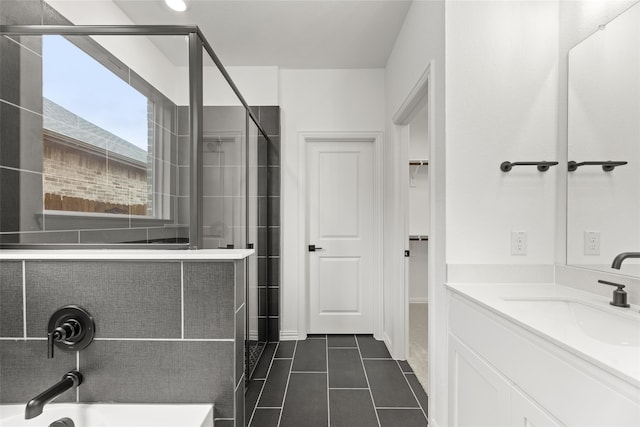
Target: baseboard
291	336
387	342
418	300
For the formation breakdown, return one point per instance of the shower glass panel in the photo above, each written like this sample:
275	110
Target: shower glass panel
230	184
224	130
256	333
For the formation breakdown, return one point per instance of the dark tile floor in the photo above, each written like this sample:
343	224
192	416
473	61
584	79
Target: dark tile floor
334	381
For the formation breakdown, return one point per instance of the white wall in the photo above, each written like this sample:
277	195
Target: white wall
420	45
258	85
501	104
316	101
418	271
419	175
138	53
419	134
419	212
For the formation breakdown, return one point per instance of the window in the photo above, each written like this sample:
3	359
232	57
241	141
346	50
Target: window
98	136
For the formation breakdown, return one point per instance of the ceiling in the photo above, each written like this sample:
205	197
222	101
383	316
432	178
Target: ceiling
284	33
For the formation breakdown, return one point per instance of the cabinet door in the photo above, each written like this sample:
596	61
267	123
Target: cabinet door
525	413
478	395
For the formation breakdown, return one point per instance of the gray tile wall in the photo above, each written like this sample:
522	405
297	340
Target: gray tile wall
166	332
21	120
269	222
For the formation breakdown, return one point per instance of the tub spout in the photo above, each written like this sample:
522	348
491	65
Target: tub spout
35	406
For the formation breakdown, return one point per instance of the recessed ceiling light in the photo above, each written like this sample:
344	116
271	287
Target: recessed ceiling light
177	5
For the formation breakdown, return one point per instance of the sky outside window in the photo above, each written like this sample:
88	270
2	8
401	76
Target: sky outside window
77	82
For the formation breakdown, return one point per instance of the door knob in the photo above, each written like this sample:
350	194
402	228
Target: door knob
313	248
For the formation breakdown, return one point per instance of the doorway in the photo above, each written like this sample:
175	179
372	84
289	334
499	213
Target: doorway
417	225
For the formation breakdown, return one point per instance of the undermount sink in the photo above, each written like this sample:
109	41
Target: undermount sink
606	324
112	415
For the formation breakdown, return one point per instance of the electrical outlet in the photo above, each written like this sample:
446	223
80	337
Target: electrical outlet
518	243
591	242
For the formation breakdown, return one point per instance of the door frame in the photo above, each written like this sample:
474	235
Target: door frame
304	138
424	88
421	92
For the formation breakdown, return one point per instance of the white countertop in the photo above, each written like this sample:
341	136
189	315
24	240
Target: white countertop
621	360
126	254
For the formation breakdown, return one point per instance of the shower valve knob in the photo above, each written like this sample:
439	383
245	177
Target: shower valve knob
71	328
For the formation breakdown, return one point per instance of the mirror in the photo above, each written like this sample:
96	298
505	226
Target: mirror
603	200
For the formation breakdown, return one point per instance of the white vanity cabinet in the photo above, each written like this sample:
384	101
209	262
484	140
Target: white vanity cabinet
479	395
482	397
523	412
503	374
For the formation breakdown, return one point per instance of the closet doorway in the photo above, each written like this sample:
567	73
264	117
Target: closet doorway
417	203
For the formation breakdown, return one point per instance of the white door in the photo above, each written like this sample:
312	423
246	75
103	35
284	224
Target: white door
340	214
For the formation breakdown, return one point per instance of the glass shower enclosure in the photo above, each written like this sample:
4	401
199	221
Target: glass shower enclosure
144	141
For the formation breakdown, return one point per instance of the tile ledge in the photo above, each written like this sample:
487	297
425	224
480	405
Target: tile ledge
127	254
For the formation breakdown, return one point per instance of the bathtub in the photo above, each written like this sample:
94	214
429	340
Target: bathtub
112	415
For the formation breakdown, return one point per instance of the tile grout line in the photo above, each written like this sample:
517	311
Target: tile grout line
167	339
404	375
264	383
239	308
182	299
24	299
78	369
23	46
348	388
129	339
235	340
326	349
286	388
22	108
373	403
402	408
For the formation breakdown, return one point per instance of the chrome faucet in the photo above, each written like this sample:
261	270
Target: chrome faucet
619	259
35	406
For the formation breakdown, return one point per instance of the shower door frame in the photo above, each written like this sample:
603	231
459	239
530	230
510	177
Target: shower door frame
197	42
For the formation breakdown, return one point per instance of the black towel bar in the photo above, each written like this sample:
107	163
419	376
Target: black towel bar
543	166
607	166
